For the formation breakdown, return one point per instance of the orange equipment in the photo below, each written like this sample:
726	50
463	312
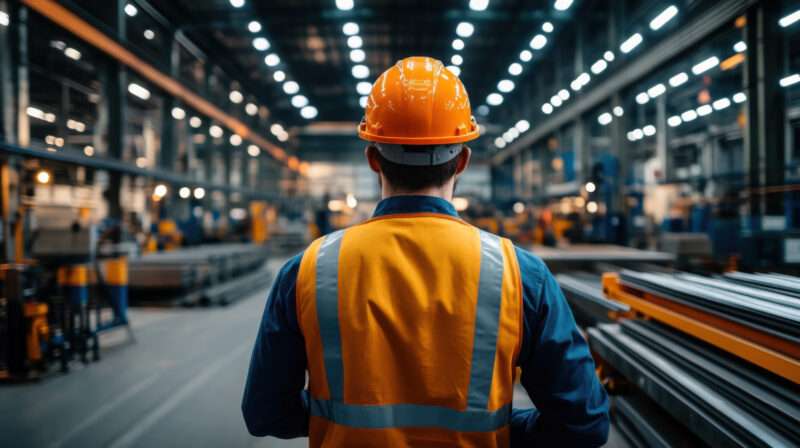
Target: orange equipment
418	102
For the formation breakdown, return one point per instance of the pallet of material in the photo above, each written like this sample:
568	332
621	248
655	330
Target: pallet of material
765	311
644	424
722	400
179	276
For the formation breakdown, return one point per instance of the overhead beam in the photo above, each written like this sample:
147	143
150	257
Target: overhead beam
118	166
682	40
91	35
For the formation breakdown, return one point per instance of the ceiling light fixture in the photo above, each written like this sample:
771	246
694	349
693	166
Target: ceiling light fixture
272	60
355	42
705	65
357	55
790	80
291	87
350	29
178	113
138	91
505	85
364	88
360	71
563	5
786	21
630	43
131	10
465	29
538	42
261	44
478	5
662	18
344	5
299	101
678	79
494	99
308	112
251	109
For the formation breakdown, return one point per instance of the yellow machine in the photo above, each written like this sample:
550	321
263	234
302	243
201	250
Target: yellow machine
259	228
169	237
39	331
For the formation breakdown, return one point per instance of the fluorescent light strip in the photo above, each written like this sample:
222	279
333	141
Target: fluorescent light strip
705	65
664	17
630	43
789	20
790	80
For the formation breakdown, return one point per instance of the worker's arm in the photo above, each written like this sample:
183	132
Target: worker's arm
273	402
557	369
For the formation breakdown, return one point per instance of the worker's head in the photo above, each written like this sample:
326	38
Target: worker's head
417	120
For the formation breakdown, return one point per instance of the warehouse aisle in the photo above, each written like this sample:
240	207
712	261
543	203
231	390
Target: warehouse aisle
178	385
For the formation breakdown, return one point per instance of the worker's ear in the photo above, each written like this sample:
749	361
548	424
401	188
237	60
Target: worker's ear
463	160
371	153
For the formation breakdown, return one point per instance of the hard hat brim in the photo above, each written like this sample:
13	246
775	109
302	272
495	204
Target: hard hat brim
446	140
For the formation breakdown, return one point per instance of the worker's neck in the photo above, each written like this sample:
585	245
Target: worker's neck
445	191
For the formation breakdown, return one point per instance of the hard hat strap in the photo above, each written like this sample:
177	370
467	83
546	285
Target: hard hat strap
402	155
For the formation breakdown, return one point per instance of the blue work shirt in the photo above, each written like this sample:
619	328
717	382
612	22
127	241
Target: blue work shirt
557	369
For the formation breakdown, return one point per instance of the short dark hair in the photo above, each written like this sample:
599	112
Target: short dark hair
413	178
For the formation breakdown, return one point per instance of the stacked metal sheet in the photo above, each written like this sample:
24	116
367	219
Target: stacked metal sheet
765	310
779	283
722	400
179	275
585	296
644	424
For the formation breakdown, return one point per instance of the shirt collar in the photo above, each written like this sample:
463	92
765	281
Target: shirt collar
414	204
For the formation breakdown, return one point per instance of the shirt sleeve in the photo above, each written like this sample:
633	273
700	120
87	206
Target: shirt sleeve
558	371
274	403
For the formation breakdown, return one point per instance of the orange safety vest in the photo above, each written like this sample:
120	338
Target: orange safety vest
412	326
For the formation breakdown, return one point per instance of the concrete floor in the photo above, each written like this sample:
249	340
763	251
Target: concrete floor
179	384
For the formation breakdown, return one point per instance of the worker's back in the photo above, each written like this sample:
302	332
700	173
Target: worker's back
412	329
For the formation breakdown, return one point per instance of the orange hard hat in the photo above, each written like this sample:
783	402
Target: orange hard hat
418	102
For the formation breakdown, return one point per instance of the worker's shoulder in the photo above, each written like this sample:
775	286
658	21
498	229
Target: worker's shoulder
532	269
288	272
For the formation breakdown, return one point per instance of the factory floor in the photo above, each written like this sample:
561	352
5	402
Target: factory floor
179	384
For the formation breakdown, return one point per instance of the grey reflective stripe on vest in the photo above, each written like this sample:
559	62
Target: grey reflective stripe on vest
487	316
476	417
410	416
328	312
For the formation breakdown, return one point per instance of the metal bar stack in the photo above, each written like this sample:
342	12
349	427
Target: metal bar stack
722	400
585	296
197	275
720	354
766	311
